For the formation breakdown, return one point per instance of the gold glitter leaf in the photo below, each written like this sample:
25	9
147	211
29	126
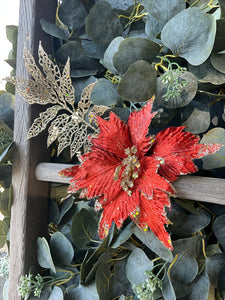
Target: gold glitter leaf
42	121
76	126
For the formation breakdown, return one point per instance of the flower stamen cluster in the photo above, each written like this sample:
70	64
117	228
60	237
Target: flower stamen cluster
130	173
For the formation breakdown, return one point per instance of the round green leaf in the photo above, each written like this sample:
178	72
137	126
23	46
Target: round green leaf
4	202
103	279
44	255
92	50
83	292
163	10
163	116
104	93
200	287
207	73
139	262
216	160
123	236
196	117
73	14
120	4
56	294
221	279
152	26
213	265
3	233
185	96
84	228
219	229
54	30
138	83
218	61
102	24
61	249
190	34
133	49
78	58
65	207
167	289
219	44
109	53
153	243
185	269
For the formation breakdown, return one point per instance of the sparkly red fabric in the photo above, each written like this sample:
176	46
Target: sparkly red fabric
161	159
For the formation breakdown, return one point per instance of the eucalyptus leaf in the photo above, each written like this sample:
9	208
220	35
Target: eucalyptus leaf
7	154
93	259
200	288
163	10
152	26
180	289
92	50
61	249
133	49
84	228
219	44
104	93
185	268
216	160
221	279
124	4
7	102
83	292
167	289
153	243
64	207
190	34
218	61
190	223
123	236
3	233
121	285
73	14
139	262
207	73
219	229
213	265
78	58
4	202
102	24
57	294
103	281
79	85
44	255
54	30
138	83
196	117
109	53
184	97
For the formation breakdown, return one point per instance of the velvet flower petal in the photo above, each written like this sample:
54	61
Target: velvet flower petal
130	172
178	149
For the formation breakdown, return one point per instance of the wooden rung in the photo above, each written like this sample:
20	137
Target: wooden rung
206	189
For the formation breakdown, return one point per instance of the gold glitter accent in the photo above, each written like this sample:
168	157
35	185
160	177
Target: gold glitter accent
131	171
50	86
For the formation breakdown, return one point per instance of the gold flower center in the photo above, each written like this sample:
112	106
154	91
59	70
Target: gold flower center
130	173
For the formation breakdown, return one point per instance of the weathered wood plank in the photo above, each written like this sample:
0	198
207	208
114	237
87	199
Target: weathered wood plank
30	206
198	188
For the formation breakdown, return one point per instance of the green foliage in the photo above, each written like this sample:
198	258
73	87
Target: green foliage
190	34
119	50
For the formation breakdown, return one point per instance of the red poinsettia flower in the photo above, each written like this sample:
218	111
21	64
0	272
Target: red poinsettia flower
130	172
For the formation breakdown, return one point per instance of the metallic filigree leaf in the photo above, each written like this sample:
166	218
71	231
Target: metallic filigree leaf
76	126
42	121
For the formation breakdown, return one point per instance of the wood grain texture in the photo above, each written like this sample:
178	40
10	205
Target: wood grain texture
198	188
30	206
